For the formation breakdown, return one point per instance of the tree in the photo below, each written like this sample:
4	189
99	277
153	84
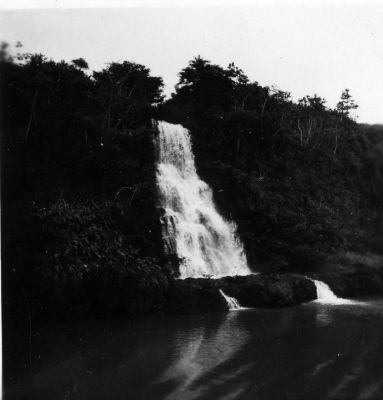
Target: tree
314	103
80	63
251	96
346	104
125	93
206	88
237	74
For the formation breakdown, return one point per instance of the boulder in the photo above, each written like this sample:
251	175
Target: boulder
261	290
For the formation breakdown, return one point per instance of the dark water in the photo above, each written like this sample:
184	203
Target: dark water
313	351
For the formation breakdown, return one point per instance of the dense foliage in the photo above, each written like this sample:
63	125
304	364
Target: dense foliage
79	193
301	180
80	229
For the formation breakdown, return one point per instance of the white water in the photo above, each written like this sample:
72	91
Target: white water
232	302
327	296
191	226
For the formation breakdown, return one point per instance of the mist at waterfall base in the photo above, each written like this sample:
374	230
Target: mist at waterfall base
326	296
207	244
312	351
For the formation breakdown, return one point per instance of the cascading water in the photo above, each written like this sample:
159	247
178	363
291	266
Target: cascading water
326	295
232	302
191	226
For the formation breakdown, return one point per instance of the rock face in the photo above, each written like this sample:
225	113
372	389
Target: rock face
276	290
262	290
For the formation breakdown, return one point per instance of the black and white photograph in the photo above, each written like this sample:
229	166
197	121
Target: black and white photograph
191	199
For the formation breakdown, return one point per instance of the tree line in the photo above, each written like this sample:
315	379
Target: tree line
302	180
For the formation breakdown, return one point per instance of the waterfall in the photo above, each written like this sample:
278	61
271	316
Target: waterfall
326	295
232	303
191	226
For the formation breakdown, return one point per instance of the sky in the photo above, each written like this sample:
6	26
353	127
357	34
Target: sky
306	48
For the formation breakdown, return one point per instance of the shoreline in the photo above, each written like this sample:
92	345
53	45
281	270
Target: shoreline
199	295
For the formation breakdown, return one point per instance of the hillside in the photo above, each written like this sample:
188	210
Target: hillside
80	229
302	181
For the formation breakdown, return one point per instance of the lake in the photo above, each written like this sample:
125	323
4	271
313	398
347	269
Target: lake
312	351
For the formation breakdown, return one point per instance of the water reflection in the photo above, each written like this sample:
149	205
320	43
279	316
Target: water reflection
313	351
324	317
200	355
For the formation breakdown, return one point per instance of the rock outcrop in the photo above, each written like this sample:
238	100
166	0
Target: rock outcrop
262	290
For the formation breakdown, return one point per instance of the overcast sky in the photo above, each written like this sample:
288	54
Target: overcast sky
302	48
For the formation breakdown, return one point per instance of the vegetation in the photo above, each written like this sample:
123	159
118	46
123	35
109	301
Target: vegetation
80	231
80	225
300	179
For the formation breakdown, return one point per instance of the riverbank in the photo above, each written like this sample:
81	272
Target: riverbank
142	292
